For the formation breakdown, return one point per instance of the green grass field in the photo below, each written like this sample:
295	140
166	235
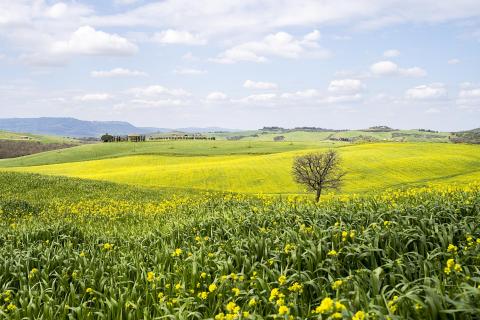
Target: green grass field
7	135
254	167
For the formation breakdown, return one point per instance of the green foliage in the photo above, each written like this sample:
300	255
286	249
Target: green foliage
385	255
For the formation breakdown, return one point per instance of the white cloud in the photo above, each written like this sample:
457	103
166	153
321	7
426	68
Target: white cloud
171	36
125	2
240	16
249	84
216	96
117	72
469	96
454	61
389	68
157	90
392	53
189	71
280	44
94	97
427	92
86	40
301	94
345	86
263	97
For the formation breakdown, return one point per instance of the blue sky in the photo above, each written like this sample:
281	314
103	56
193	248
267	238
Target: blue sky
243	63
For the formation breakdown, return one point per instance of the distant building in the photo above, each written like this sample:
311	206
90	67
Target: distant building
136	137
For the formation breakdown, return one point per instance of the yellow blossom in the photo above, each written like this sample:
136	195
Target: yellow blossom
212	287
360	315
283	310
282	279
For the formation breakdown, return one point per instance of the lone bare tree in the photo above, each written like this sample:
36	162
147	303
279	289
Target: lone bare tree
318	171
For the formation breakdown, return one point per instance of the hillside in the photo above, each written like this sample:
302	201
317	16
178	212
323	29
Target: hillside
262	168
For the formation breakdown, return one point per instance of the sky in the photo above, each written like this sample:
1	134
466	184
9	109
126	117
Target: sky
244	64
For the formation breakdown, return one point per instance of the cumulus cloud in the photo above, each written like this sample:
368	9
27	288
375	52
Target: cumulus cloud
280	44
345	86
171	36
90	97
157	90
427	92
189	71
249	84
88	41
469	96
392	53
216	96
389	68
117	72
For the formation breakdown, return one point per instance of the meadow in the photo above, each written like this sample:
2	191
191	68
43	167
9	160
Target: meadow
218	230
74	249
255	167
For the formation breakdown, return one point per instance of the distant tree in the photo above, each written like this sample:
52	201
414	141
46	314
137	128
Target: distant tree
107	138
279	138
318	171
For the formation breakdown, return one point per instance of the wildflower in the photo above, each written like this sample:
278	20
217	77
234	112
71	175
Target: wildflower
32	273
232	307
252	302
337	315
198	239
82	254
289	247
161	296
344	235
246	314
220	316
178	286
325	306
282	279
283	310
11	307
418	306
212	287
203	275
274	294
332	253
337	284
387	223
107	246
360	315
392	304
452	249
177	252
296	287
150	276
352	234
340	306
236	291
203	295
89	290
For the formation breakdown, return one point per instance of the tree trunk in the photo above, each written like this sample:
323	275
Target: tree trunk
319	192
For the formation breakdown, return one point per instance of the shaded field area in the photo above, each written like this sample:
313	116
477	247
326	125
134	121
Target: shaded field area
16	148
267	169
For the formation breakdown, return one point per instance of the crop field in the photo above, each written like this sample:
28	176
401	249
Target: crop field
218	230
257	167
80	249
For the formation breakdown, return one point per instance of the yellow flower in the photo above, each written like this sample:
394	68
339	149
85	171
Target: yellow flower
332	253
337	315
236	291
82	254
107	246
89	290
203	295
252	302
11	307
289	247
212	287
457	268
337	284
283	310
220	316
452	249
360	315
231	306
203	275
296	287
450	263
274	294
178	286
282	279
177	252
325	306
246	314
150	276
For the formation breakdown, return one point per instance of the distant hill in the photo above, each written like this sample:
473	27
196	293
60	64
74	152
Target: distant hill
71	127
